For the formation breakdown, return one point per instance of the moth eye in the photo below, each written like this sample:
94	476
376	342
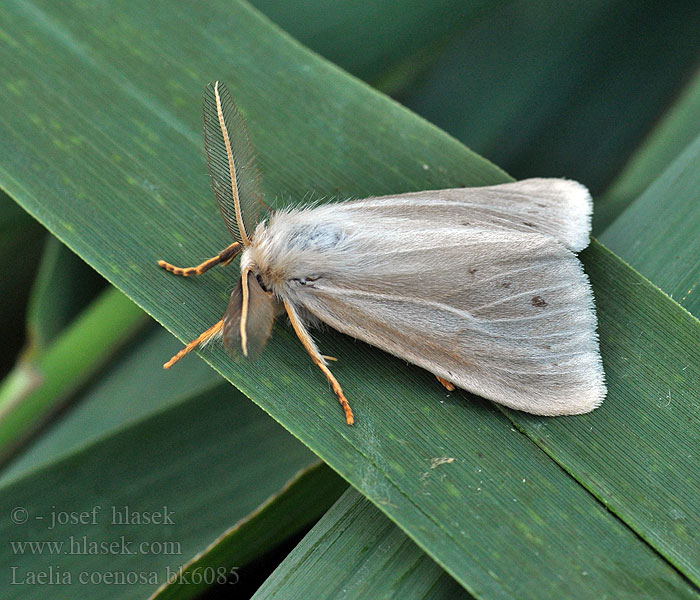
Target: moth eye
261	283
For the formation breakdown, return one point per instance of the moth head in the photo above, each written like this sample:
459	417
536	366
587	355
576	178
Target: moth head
249	316
264	259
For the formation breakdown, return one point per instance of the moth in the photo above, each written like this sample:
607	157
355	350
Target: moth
480	286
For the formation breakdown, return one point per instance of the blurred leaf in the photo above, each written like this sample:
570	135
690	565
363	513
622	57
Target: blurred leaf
354	551
563	89
130	386
21	242
371	39
64	285
658	233
679	127
37	387
133	186
402	76
207	464
296	505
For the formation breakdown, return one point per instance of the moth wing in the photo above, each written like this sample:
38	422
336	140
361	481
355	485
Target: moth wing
235	178
506	315
261	316
559	208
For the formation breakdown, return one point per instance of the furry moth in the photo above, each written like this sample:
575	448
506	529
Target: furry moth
480	286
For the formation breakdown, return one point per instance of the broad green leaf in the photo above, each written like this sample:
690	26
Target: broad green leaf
562	89
354	551
679	127
658	232
295	506
38	387
317	131
207	464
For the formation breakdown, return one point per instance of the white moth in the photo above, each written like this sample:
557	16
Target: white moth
479	286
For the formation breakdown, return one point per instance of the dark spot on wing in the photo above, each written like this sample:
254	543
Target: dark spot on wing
538	301
472	271
506	284
527	224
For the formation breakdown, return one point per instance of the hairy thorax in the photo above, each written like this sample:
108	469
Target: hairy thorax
295	251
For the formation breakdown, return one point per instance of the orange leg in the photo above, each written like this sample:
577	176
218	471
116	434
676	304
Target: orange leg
224	258
202	339
447	385
319	361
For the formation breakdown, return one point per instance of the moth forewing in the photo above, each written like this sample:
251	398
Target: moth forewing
235	178
504	313
558	208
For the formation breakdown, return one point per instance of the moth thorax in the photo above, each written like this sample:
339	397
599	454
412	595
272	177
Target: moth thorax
247	260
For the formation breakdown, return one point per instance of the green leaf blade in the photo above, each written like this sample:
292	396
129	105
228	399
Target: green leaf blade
225	459
356	552
141	191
